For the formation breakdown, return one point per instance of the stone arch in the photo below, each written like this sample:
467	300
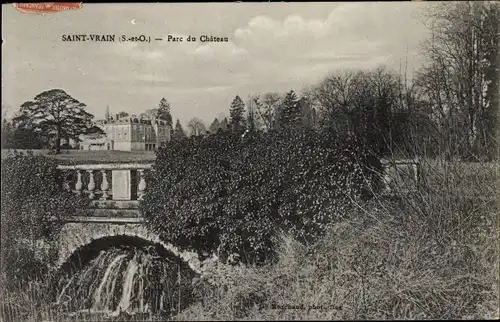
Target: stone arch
75	236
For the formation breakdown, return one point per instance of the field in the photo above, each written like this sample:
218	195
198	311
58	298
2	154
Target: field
80	156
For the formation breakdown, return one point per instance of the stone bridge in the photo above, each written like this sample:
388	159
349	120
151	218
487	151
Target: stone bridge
115	191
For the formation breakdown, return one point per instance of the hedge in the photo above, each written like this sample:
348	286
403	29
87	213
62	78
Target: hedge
32	202
229	195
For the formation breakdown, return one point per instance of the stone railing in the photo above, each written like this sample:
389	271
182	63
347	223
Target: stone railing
401	173
108	181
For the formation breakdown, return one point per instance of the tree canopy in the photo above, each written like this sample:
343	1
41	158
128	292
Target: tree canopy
215	126
55	115
237	115
163	112
179	133
290	110
196	126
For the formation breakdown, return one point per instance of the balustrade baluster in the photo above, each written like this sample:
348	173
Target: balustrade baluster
142	184
104	186
91	186
79	184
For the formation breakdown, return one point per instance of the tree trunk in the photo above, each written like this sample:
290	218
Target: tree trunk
58	140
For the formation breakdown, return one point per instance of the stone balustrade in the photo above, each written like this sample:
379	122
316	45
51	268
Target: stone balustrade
108	181
402	173
127	181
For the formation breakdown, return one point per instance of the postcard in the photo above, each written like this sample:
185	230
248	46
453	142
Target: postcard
250	161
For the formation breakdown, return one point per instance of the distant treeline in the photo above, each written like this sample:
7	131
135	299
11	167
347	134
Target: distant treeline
449	108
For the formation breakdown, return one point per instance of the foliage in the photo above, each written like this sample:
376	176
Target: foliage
149	114
267	107
32	202
215	126
253	120
164	111
107	114
196	126
290	112
224	124
237	115
179	133
376	107
20	137
122	114
230	195
432	254
56	115
461	78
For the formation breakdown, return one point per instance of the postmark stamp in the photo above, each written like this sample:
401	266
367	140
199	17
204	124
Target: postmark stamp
47	7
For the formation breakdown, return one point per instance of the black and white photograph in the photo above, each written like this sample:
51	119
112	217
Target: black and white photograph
250	161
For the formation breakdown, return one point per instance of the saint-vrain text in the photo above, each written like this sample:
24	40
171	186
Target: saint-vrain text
85	37
139	38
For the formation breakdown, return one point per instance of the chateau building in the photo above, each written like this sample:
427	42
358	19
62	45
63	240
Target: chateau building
128	134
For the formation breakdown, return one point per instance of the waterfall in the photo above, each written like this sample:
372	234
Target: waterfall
127	285
127	279
105	280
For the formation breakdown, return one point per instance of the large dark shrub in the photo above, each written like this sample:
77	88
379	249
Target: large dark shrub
32	201
228	194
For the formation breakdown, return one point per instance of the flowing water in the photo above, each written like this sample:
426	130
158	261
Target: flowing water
127	279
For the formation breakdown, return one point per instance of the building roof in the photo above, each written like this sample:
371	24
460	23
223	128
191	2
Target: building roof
132	120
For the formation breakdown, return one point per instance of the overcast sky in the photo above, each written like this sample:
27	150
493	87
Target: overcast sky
272	47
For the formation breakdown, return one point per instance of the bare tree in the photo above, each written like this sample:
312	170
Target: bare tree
253	117
375	106
267	108
338	97
461	79
196	126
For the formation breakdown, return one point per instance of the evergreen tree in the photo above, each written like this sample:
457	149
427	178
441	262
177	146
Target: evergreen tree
179	131
122	114
307	112
291	115
163	112
224	124
236	115
7	132
215	126
107	116
252	118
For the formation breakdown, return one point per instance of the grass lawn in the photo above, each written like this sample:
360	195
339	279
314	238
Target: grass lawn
80	156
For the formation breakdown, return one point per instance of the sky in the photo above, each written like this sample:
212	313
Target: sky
273	47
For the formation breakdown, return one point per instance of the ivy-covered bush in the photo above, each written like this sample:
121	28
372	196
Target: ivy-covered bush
229	195
32	201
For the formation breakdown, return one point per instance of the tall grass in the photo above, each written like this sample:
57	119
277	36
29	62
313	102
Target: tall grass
33	302
431	253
